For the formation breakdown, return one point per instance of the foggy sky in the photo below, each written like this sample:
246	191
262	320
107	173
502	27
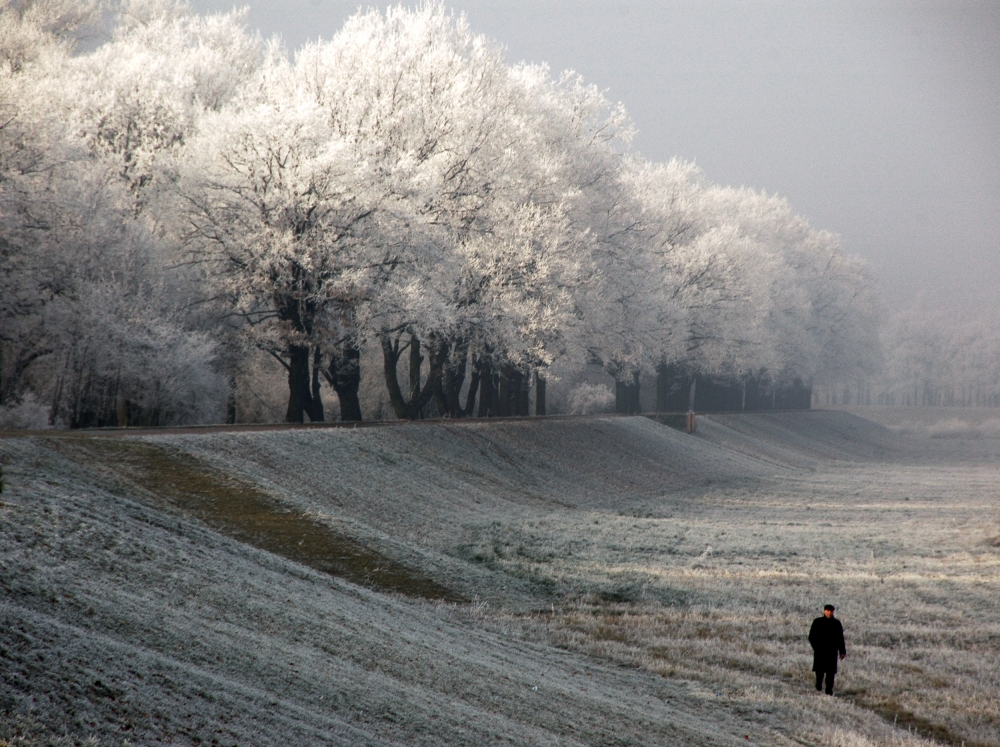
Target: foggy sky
878	121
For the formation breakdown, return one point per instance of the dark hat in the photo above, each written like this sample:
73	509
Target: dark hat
830	607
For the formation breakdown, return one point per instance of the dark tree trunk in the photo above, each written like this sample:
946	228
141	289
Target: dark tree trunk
442	389
503	400
302	387
390	357
448	388
407	409
488	394
344	375
231	413
539	394
453	379
416	360
522	402
470	398
298	384
315	405
627	395
303	380
513	393
672	384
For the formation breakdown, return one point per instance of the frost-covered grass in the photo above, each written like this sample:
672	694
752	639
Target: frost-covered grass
952	428
723	593
654	587
936	422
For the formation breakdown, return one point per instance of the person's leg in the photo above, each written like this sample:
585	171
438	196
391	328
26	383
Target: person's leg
819	681
829	682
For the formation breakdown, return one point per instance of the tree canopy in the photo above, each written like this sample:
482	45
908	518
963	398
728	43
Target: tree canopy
186	193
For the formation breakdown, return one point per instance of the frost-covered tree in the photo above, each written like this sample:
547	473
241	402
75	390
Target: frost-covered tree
469	238
32	43
605	265
829	321
530	254
936	358
446	136
68	236
419	98
280	204
134	101
399	189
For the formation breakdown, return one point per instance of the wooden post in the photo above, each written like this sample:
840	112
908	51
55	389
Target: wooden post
690	424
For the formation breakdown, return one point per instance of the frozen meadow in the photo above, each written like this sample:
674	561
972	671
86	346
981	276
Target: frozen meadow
602	580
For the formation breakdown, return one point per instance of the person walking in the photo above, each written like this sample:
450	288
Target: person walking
826	636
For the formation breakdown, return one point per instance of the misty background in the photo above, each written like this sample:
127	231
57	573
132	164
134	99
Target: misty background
877	121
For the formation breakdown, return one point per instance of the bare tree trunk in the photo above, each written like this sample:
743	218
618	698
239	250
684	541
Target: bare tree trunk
522	404
627	395
344	375
672	384
231	400
453	378
315	405
502	405
487	390
539	393
407	410
416	360
470	398
390	357
512	396
448	389
301	387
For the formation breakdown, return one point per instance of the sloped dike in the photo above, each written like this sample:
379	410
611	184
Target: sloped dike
239	509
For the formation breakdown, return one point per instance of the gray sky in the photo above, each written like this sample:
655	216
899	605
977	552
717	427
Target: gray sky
879	121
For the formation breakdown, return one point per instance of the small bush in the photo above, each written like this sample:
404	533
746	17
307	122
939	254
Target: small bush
28	414
589	399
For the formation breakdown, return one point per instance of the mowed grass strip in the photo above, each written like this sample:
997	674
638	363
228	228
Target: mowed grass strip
241	510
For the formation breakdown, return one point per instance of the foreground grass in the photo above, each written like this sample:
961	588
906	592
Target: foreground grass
633	586
722	593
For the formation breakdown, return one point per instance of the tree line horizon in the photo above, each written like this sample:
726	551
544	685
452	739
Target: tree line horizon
186	195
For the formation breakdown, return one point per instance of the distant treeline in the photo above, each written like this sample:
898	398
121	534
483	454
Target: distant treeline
930	359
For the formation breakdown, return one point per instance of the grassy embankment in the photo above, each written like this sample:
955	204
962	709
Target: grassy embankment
696	562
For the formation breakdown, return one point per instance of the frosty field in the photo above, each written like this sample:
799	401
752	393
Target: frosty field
601	581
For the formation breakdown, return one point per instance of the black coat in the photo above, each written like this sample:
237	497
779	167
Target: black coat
826	636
